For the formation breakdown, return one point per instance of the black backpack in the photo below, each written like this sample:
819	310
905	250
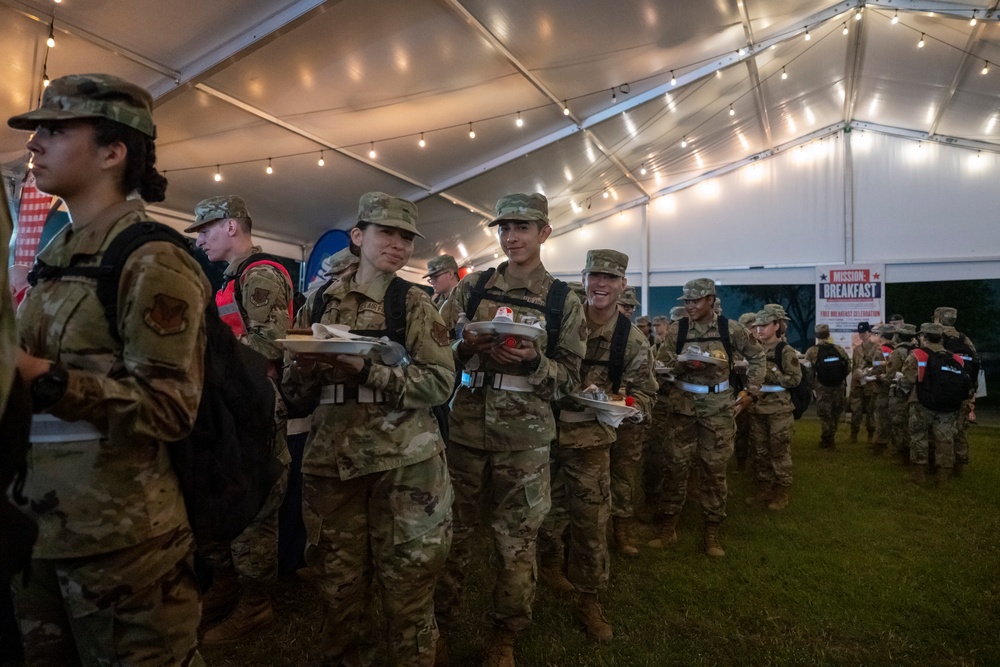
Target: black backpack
960	346
238	286
553	310
737	382
616	360
945	384
225	466
395	329
831	368
801	393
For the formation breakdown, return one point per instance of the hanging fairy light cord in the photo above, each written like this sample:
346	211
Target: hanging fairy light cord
689	134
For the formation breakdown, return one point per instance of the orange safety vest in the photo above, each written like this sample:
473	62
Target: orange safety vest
230	311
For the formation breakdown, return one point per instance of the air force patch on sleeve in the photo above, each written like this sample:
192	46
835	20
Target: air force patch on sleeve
167	315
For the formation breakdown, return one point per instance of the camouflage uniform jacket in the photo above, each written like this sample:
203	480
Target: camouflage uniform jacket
354	439
879	370
862	357
266	295
780	401
894	364
952	332
703	405
498	420
98	496
441	299
637	381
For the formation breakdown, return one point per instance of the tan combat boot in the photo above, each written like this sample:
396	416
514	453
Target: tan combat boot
552	575
221	597
712	546
666	535
762	494
918	474
253	613
623	542
499	648
779	499
591	614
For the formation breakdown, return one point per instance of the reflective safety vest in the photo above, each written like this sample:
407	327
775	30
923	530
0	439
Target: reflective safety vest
228	299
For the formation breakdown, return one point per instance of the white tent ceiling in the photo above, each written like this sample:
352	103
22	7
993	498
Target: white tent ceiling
240	83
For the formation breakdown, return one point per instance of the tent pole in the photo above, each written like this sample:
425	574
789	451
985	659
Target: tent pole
645	257
848	199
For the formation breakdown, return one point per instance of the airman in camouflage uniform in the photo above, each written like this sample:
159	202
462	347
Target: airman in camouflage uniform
771	420
702	409
880	387
112	576
442	274
924	422
502	425
946	317
862	395
829	400
627	302
899	404
376	493
580	462
259	314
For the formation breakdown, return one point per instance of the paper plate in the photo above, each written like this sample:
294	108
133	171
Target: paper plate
614	407
707	360
481	328
515	329
328	346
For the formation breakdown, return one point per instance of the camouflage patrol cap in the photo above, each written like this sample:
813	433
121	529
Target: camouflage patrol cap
697	289
606	261
885	330
746	319
907	329
628	297
440	264
222	207
382	209
91	96
932	328
765	316
946	314
661	319
643	320
522	207
777	309
822	329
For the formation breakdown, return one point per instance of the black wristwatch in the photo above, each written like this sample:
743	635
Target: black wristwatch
49	387
365	371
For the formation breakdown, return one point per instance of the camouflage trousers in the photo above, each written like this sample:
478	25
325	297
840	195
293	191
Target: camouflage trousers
706	442
254	554
961	437
387	532
654	452
513	490
581	501
829	408
771	438
626	464
899	417
929	424
136	606
862	408
883	420
742	446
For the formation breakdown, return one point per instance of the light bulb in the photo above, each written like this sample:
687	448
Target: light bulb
808	36
684	142
51	41
421	143
973	21
321	161
857	15
784	74
846	31
496	255
472	133
673	79
565	109
520	121
606	195
45	81
895	18
920	44
269	170
218	175
986	68
732	111
642	169
371	152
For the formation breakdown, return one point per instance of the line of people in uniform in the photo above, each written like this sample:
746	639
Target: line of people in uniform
393	489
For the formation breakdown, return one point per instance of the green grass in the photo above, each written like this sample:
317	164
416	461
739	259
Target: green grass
863	568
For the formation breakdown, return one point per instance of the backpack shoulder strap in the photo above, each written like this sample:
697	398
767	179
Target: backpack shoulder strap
478	291
682	333
619	342
555	304
778	349
319	303
395	309
727	345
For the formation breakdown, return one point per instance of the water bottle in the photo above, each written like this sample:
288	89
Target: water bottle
460	325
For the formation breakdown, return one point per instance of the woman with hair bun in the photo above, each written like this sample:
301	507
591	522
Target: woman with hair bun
112	577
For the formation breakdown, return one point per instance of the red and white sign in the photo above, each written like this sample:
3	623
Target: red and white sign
32	213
